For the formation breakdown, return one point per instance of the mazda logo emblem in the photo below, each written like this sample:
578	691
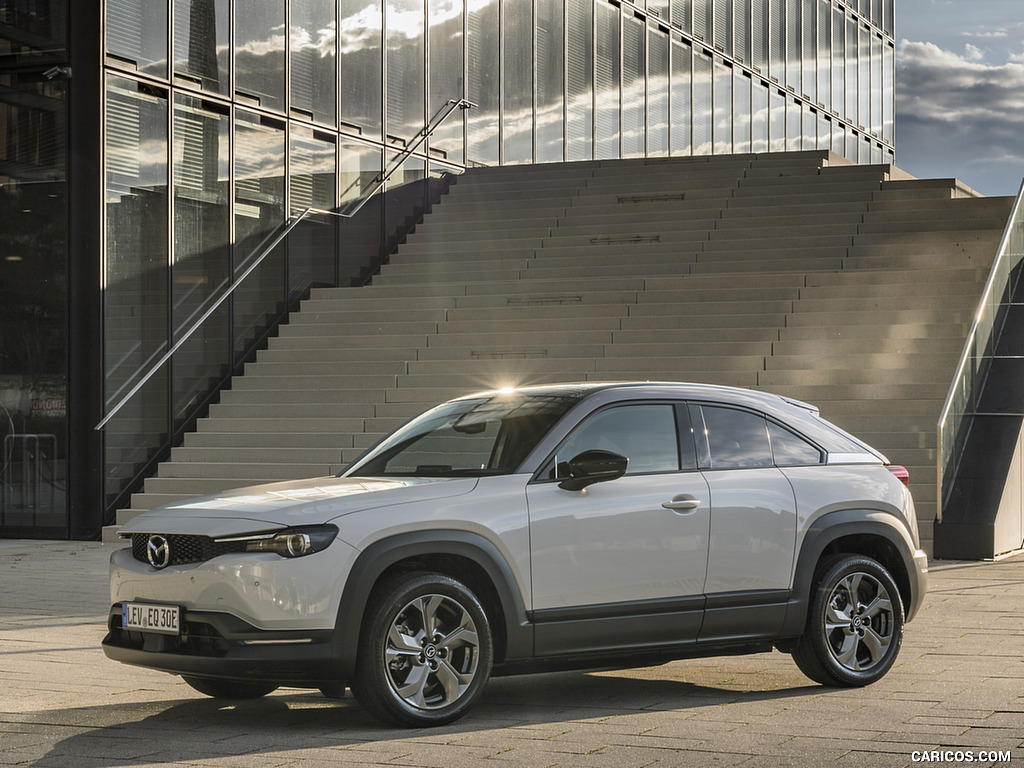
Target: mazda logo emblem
158	550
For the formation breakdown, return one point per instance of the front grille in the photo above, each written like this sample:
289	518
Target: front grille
185	549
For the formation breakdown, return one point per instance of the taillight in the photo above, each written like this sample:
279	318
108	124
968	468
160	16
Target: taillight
900	472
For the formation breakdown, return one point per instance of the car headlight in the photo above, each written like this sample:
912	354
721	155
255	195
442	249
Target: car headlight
295	542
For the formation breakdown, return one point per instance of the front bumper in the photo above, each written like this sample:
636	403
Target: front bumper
220	645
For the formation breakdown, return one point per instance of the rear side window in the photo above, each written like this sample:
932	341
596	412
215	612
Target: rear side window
791	450
736	439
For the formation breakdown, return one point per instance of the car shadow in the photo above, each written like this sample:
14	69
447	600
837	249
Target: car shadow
201	729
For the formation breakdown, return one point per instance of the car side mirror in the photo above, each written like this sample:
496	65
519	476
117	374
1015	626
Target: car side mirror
592	467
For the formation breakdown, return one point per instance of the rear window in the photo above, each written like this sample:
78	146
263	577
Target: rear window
736	439
791	450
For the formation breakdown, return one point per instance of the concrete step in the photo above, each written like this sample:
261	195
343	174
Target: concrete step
187	487
326	328
261	424
320	368
377	342
485	245
633	344
506	337
526	325
215	456
739	209
878	375
306	380
626	225
521	368
652	266
956	275
850	318
938	208
375	298
516	312
276	397
779	256
675	367
744	262
338	355
929	291
833	304
467	381
274	440
749	324
873	332
514	350
383	346
869	351
260	471
253	413
581	218
937	257
472	232
558	296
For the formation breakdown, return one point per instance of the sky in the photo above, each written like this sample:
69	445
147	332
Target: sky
960	91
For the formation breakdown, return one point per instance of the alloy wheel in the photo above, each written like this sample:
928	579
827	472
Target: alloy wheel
432	652
859	622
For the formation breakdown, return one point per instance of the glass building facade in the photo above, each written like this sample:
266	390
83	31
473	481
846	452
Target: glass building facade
202	126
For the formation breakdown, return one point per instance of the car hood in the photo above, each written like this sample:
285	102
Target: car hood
295	502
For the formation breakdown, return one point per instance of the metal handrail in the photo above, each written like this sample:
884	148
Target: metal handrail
377	184
971	344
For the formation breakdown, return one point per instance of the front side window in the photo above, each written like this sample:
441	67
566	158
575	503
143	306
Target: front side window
644	434
489	435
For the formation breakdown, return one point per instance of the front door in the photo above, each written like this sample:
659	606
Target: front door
622	562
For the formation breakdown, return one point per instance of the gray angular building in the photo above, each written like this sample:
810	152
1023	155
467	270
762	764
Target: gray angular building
150	152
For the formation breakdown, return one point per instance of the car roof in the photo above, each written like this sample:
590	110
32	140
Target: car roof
801	416
674	389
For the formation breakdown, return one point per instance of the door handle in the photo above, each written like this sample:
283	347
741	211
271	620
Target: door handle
682	504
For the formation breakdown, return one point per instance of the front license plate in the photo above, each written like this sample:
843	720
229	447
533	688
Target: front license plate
162	619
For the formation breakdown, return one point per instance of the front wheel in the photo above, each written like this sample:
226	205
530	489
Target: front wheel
425	650
854	625
230	689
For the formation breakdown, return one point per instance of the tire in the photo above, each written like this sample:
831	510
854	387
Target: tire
230	689
425	651
854	623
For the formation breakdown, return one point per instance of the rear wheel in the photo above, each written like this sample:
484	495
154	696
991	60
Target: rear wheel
425	650
854	624
230	689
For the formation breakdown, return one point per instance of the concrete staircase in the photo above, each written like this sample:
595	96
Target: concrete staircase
851	287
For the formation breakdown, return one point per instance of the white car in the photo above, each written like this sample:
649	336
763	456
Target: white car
542	528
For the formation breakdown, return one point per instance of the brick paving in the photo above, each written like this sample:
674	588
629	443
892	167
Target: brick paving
957	690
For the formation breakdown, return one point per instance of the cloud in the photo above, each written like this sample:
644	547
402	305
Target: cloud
955	106
974	53
952	88
993	33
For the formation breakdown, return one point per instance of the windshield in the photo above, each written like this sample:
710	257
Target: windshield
487	435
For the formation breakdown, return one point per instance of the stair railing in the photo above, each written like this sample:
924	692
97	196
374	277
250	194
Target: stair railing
964	395
266	247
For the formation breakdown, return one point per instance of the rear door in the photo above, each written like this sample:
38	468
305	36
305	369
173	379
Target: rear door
753	525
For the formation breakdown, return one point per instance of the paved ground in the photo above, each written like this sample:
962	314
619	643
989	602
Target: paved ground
956	693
